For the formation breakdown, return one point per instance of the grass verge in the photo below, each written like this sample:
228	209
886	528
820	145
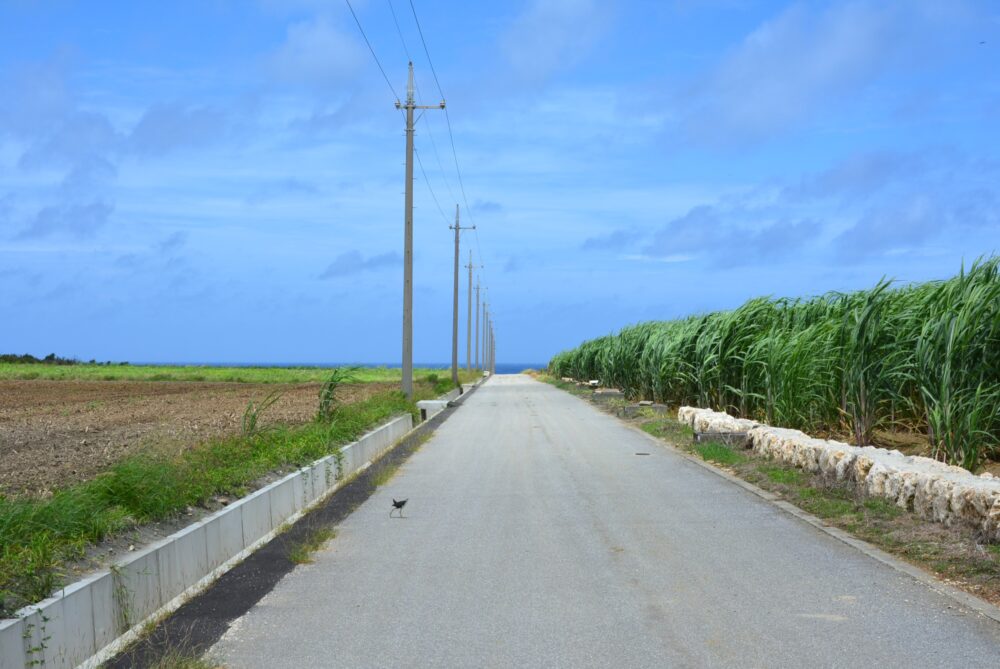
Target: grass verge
37	536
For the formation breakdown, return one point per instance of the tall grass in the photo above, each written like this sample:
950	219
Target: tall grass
922	357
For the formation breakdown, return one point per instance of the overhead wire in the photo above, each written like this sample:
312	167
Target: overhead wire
451	134
428	184
430	133
372	50
399	30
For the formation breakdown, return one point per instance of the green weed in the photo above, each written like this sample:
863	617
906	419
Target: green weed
327	393
302	551
785	476
719	453
253	412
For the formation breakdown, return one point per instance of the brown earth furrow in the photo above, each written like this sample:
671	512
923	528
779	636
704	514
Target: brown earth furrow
54	433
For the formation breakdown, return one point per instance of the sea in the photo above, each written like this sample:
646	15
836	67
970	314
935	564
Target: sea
502	367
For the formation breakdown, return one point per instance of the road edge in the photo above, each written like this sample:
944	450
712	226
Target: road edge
965	599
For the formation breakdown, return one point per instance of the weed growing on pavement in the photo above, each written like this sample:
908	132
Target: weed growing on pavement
302	551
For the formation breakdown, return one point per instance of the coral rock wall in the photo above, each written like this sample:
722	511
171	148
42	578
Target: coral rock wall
936	491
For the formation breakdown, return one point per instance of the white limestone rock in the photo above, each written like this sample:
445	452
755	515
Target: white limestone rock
932	489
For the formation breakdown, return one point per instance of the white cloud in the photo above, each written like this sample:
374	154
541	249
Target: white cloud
166	127
316	53
789	65
553	35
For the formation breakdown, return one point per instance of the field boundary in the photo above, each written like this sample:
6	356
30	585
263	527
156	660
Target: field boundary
89	621
961	597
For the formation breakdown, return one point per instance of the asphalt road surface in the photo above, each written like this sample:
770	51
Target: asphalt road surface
535	536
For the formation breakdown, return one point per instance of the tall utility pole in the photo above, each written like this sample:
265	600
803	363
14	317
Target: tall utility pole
454	311
407	365
486	327
477	324
468	323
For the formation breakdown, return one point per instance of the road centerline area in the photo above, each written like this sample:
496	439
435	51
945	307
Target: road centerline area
534	536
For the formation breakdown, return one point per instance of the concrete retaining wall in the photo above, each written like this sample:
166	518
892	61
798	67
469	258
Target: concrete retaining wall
936	491
430	408
89	621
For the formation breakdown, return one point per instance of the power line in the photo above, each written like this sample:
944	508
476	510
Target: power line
426	52
399	31
384	76
447	118
428	184
430	134
372	50
437	156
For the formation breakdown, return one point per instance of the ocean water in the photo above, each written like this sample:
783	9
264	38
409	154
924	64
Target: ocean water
502	367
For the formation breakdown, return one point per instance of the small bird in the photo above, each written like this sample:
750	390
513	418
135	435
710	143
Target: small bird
397	505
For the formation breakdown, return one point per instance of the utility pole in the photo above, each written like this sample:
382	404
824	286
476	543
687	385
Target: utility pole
468	323
486	327
477	324
407	365
454	311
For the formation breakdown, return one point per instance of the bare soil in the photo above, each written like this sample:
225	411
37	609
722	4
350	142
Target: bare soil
54	433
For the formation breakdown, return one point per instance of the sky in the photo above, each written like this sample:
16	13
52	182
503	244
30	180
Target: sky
222	181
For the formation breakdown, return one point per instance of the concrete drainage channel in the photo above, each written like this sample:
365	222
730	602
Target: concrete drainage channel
199	579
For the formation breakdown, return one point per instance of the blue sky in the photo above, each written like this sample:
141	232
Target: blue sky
222	181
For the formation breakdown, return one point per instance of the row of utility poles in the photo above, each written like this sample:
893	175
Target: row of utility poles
488	340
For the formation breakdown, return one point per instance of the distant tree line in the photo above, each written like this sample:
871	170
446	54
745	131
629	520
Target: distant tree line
50	359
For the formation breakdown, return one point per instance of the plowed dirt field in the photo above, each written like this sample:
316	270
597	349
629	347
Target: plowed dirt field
53	433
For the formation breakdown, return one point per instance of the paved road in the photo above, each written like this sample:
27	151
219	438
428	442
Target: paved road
535	537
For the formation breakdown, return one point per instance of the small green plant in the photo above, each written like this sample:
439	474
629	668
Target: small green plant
38	560
784	475
36	652
252	414
719	453
122	598
328	402
881	508
301	552
338	458
182	657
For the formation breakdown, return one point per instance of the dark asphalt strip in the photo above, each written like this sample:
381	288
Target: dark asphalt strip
194	627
